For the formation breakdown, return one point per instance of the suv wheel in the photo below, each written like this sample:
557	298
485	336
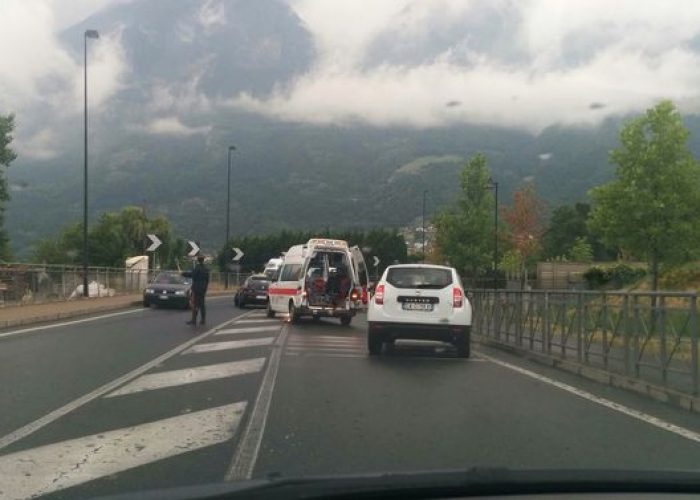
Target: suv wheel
345	320
293	314
374	343
270	312
462	343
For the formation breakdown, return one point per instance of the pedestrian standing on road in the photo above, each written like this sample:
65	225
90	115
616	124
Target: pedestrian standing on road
200	283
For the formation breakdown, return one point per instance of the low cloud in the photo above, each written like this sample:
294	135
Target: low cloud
43	145
625	54
173	126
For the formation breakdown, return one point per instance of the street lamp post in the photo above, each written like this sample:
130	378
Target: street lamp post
231	149
88	34
494	185
425	191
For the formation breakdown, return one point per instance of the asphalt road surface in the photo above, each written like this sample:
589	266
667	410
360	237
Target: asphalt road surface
139	400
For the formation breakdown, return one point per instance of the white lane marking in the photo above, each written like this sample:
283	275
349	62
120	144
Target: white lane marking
54	467
322	354
37	424
69	323
325	341
253	329
331	349
246	454
272	320
190	376
630	412
232	344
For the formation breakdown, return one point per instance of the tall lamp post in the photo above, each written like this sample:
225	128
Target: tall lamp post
425	191
86	293
494	185
231	149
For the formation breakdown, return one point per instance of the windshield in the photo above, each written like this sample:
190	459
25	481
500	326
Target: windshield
419	277
170	279
288	239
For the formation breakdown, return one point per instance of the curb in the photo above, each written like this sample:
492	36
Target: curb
45	318
653	391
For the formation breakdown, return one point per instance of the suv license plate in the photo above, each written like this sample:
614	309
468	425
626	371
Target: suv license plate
411	306
260	297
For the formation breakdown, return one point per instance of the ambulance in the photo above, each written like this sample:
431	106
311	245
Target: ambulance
322	278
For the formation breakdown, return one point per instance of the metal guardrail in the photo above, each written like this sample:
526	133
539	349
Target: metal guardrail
644	335
29	283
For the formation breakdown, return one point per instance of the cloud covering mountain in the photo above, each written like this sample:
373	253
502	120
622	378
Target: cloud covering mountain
323	95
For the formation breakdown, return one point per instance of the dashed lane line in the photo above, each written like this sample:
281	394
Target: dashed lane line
231	344
187	376
54	467
41	422
253	329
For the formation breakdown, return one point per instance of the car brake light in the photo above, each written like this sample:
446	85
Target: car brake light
355	294
364	295
457	297
379	295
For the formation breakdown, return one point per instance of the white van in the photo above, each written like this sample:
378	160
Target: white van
324	277
272	266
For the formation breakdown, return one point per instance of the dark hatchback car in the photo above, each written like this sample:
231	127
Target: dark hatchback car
253	291
169	288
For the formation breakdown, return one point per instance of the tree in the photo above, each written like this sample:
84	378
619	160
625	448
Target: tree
580	251
567	224
7	156
464	232
525	223
115	237
651	207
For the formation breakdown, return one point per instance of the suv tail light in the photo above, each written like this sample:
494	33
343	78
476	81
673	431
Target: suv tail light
457	297
379	295
364	295
355	294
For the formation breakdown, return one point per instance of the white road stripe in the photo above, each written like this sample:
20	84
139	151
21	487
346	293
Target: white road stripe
253	329
323	354
630	412
37	424
190	376
233	344
336	349
268	320
326	344
246	454
69	323
50	468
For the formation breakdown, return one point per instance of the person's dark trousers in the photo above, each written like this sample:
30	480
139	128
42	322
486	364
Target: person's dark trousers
199	306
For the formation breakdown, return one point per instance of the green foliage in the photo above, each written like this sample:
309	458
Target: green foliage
7	156
464	232
650	209
613	277
581	251
567	224
387	245
115	237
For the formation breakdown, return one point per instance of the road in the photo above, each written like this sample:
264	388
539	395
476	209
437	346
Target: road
139	400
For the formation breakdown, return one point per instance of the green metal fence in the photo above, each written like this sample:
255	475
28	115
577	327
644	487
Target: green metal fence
645	335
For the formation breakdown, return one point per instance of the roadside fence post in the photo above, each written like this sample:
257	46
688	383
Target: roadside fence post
694	343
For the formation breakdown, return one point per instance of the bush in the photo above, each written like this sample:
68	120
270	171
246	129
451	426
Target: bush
613	277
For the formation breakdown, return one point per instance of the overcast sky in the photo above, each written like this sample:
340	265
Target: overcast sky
550	61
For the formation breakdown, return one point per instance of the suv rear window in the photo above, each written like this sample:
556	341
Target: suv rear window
419	277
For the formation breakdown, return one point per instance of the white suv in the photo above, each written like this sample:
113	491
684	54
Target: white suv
419	301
